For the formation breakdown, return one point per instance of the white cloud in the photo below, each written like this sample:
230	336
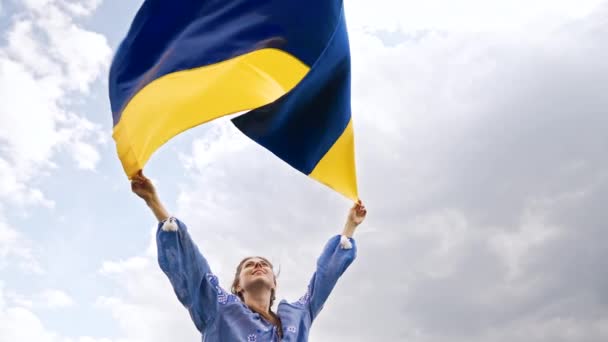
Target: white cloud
119	267
28	50
55	299
46	299
28	120
16	251
146	313
19	323
48	59
39	78
73	7
37	5
81	8
466	15
37	75
84	54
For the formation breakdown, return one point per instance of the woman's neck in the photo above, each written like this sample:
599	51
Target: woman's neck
258	301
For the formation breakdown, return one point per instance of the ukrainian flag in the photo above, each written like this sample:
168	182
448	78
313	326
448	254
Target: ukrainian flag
285	63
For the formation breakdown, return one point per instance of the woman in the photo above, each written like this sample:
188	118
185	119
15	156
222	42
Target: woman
246	313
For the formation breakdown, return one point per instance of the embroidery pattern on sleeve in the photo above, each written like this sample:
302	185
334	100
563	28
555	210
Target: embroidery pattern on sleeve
305	298
222	296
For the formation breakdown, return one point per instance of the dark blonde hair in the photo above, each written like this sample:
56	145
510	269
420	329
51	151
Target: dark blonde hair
235	285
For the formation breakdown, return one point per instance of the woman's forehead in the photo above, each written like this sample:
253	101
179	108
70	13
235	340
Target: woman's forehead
256	259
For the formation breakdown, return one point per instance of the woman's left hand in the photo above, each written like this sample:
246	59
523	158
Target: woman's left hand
357	214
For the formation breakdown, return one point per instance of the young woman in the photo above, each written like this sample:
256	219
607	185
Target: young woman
244	314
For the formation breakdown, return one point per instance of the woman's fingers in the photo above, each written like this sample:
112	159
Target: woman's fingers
361	210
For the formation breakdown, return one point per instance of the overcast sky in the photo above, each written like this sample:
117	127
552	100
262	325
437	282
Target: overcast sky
482	153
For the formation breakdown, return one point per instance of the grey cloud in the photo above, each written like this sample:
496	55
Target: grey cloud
532	129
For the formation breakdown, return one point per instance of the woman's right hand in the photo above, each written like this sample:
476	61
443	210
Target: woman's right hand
143	187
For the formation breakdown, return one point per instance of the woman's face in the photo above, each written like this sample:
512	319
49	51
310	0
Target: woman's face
257	272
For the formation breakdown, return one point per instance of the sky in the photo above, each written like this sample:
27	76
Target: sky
481	149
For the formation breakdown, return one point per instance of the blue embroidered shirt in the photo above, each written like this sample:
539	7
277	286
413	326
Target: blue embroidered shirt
221	316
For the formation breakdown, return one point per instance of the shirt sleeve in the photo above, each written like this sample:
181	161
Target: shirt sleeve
188	271
338	254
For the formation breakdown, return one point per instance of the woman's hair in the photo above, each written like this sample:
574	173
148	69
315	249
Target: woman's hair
235	285
237	278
